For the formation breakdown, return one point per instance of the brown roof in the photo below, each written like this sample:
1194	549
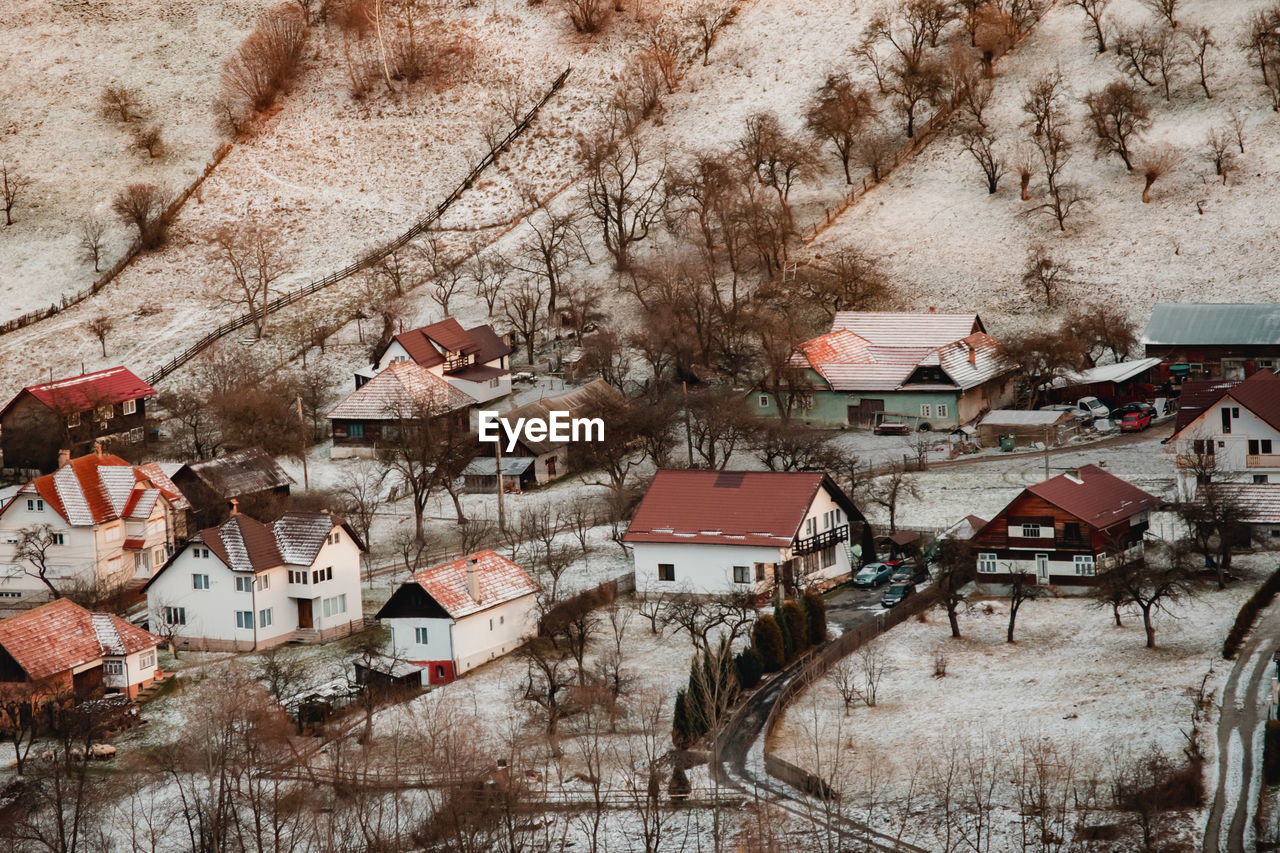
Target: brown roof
1260	394
62	635
498	580
426	345
1259	503
244	472
728	507
1094	496
245	544
402	390
1196	396
591	400
100	487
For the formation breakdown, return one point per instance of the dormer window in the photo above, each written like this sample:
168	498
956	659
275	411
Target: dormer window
73	419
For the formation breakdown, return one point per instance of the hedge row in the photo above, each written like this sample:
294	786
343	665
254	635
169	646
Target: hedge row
1248	614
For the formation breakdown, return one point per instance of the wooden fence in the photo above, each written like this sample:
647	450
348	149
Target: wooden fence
369	258
66	301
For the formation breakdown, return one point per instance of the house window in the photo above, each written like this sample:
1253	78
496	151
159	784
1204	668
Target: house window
1257	446
490	624
200	553
58	539
129	407
325	574
297	576
244	584
926	411
439	672
942	410
73	419
355	430
1071	531
244	618
1030	531
111	534
420	636
35	505
148	660
335	605
987	564
493	383
1226	419
1260	478
175	616
264	617
1084	565
666	571
262	582
104	413
199	581
113	667
759	571
741	574
764	401
1202	447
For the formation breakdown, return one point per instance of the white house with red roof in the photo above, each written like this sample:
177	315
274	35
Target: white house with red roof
246	585
1063	532
404	392
476	361
451	618
61	649
724	532
931	371
72	414
1235	436
99	522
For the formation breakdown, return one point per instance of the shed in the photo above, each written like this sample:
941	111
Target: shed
249	476
1122	382
1026	427
481	474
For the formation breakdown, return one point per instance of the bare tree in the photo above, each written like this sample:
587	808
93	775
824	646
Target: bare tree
1134	52
149	138
587	16
523	309
1238	124
874	151
1044	275
622	188
838	112
1094	10
101	326
1217	147
143	207
889	489
953	571
12	185
1150	582
1167	55
1045	105
1157	161
1099	329
1201	39
33	548
253	258
266	61
554	241
706	19
548	680
360	498
121	103
844	676
980	142
92	231
1165	9
1120	114
872	664
776	158
1020	592
489	272
445	273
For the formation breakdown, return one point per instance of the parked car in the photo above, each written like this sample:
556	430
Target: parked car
1094	407
1136	421
892	428
1079	414
896	594
1119	412
910	572
872	574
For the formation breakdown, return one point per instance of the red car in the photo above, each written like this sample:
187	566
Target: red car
1136	421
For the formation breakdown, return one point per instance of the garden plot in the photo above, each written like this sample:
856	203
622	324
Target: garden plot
1072	679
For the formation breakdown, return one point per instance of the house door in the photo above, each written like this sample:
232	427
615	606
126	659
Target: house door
1042	569
551	466
304	613
867	410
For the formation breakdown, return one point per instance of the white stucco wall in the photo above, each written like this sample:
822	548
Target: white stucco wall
1231	450
469	641
702	569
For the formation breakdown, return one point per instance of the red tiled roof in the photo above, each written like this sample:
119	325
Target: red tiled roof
725	507
62	635
1094	496
97	488
498	580
424	344
81	393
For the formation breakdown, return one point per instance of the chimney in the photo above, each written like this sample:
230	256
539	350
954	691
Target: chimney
97	447
473	588
64	456
235	507
933	309
1073	474
973	355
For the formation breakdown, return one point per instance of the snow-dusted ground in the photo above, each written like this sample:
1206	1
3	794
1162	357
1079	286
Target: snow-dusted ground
1072	678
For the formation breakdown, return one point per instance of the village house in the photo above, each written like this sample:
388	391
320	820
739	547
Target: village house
245	585
552	458
476	361
249	476
108	406
727	532
1257	507
60	650
92	527
931	371
1196	340
1232	434
403	395
451	618
1063	532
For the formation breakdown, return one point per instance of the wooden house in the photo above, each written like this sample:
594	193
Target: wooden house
402	396
1046	426
108	406
250	477
552	457
1214	341
1063	532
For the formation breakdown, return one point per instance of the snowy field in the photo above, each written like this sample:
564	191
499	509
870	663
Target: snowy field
1072	679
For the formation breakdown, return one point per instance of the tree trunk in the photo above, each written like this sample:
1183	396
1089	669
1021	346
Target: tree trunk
1146	191
955	623
1150	629
1115	611
1026	183
1013	618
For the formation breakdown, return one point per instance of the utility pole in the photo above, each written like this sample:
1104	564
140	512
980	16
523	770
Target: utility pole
502	516
1046	453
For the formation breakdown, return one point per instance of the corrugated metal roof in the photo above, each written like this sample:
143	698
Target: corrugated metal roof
891	328
1213	324
1118	372
1020	417
487	466
81	393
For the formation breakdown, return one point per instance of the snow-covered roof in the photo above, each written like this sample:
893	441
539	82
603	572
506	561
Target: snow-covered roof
62	635
512	466
892	328
1213	324
1021	417
497	581
244	472
402	390
100	487
1118	372
1259	503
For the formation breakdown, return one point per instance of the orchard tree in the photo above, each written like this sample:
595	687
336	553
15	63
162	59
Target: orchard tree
143	206
980	141
100	327
1094	10
838	113
92	231
1045	276
1120	114
12	185
1157	162
253	258
1101	329
622	188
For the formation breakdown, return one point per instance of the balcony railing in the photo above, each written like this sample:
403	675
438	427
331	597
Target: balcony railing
825	539
1262	460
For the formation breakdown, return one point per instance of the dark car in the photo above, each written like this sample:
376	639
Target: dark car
896	594
872	574
1135	421
910	572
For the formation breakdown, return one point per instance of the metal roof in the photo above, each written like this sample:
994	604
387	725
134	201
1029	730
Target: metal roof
1020	417
512	466
1213	324
891	328
1118	372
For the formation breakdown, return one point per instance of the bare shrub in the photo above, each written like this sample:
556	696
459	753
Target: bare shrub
1158	161
707	19
587	16
149	138
266	60
875	152
120	103
143	207
1217	145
